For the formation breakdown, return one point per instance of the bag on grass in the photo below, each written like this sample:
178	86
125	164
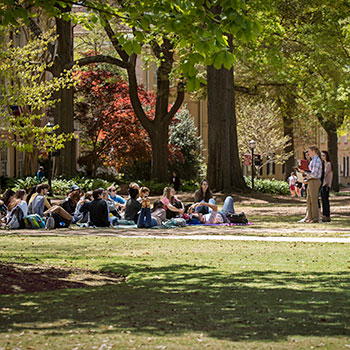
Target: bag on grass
34	221
16	219
236	218
50	222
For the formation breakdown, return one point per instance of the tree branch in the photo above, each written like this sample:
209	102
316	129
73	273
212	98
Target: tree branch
178	102
112	37
97	59
134	96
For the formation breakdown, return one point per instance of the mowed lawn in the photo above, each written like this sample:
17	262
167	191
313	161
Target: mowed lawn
182	294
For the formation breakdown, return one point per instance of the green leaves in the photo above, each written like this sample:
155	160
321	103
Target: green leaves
31	94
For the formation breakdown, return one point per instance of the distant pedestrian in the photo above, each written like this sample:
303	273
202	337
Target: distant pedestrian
40	174
292	182
326	185
175	181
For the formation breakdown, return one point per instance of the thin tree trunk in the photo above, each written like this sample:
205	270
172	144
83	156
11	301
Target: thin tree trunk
332	144
288	130
224	165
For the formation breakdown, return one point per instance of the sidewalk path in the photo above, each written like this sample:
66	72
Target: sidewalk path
203	233
253	238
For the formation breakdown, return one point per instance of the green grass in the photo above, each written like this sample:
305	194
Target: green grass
182	295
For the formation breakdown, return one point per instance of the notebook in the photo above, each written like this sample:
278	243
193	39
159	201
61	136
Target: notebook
304	165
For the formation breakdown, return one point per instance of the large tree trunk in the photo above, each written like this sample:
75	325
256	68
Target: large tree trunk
332	144
30	163
63	112
159	141
224	165
288	130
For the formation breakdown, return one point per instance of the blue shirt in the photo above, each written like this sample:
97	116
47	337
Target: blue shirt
118	199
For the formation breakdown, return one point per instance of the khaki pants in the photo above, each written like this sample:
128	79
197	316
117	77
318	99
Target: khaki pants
313	187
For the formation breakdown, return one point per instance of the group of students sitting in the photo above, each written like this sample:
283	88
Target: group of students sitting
104	208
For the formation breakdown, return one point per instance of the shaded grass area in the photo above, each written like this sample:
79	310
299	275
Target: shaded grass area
182	294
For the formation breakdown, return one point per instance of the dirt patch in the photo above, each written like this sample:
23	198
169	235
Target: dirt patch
25	278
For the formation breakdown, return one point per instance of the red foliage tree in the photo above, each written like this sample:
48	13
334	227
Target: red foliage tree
111	134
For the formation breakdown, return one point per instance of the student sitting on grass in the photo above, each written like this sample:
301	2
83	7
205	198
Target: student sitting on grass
149	218
98	210
17	210
132	206
81	214
172	206
71	201
203	194
214	217
119	200
37	202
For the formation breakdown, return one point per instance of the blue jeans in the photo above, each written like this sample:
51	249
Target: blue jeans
228	207
204	209
150	222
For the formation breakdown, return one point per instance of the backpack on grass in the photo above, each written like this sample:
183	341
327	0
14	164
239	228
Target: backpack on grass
34	221
236	218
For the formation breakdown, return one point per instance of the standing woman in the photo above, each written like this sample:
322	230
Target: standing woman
326	185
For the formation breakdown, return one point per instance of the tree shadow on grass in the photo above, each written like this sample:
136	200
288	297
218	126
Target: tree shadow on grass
175	299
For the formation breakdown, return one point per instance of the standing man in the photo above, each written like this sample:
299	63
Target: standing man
313	185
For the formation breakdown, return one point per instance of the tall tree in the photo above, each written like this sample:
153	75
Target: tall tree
187	29
25	95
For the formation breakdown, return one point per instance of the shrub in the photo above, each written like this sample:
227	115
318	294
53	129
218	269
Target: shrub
61	185
155	187
189	186
187	160
268	186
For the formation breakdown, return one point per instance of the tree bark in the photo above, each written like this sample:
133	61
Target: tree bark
158	128
224	165
159	164
63	111
332	144
30	163
288	130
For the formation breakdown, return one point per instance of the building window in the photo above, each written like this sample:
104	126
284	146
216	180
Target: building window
346	170
346	139
20	164
322	136
4	161
270	165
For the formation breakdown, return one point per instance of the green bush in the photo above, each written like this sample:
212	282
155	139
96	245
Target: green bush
189	186
268	186
25	182
184	137
61	185
155	187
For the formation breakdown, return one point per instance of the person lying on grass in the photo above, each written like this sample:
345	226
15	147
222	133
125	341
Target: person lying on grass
213	217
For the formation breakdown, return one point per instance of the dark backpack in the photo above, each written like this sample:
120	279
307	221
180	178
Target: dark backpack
236	218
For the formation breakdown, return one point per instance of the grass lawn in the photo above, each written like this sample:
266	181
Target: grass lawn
182	295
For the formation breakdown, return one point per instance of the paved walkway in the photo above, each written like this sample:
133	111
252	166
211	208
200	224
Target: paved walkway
231	233
253	238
